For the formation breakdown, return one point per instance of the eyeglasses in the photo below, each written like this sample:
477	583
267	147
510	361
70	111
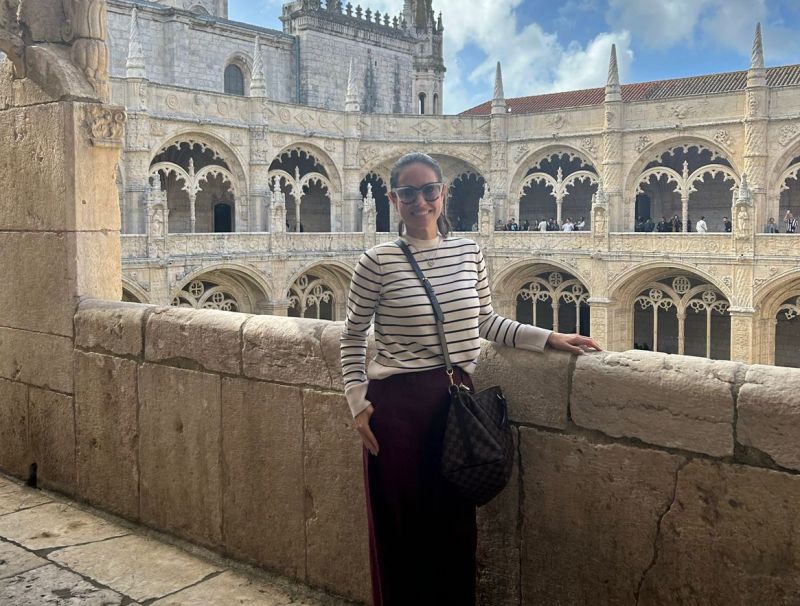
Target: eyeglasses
408	194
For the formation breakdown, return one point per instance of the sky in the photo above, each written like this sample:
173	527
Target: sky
547	46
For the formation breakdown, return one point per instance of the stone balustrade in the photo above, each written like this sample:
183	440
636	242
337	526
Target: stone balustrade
640	477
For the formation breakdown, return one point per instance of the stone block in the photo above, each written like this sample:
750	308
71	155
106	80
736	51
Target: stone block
590	515
107	435
769	413
731	537
111	326
36	359
98	266
535	384
136	566
673	401
286	350
15	455
263	497
336	520
51	430
179	452
47	581
498	544
207	337
15	560
55	525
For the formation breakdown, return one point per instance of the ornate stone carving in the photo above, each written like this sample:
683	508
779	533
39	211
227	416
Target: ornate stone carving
589	145
723	137
643	143
557	121
787	133
106	125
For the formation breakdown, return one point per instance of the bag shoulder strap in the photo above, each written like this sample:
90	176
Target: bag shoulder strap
437	309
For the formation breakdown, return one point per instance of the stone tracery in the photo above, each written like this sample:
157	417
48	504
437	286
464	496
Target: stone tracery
311	297
539	302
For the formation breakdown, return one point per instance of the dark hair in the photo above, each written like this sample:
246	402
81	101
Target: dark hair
442	224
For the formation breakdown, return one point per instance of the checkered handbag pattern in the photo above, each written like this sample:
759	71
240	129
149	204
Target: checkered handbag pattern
478	449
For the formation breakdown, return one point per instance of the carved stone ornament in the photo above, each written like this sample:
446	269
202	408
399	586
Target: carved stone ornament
106	125
723	137
787	133
643	143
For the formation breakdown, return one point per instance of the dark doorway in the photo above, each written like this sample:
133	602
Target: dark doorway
223	220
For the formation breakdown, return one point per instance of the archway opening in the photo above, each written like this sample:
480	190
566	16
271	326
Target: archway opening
311	297
382	205
464	197
787	333
305	181
554	300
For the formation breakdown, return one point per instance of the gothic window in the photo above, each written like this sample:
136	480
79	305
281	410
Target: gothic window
787	333
223	218
682	315
422	104
234	80
308	190
311	297
556	301
206	295
435	108
462	202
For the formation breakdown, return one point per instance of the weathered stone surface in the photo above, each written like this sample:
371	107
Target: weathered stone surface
675	401
135	566
589	517
99	279
228	588
536	385
14	454
263	495
208	337
51	428
769	413
16	498
111	326
36	359
15	560
284	349
336	523
731	538
106	408
51	585
179	452
55	525
498	545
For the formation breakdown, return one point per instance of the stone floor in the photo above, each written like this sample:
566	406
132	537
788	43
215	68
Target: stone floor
55	552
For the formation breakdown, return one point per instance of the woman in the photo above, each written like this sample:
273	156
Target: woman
422	535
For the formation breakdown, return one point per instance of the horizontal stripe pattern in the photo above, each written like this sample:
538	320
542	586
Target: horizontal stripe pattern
385	288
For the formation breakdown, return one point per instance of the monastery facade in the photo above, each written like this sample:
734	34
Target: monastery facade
256	166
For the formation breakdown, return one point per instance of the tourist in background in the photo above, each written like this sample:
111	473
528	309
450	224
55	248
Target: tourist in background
422	534
726	224
701	226
581	224
791	222
771	227
568	225
676	225
543	225
663	226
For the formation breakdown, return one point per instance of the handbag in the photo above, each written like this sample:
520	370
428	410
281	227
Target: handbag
477	448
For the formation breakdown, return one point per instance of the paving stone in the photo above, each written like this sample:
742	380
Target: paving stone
55	525
179	452
14	454
206	336
731	538
264	497
228	588
336	516
20	497
769	413
15	560
111	326
675	401
51	428
54	586
589	517
135	566
107	432
539	399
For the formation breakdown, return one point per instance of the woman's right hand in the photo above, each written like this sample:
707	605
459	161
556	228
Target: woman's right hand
361	423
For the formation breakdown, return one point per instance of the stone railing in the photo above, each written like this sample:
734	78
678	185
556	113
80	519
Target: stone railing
640	476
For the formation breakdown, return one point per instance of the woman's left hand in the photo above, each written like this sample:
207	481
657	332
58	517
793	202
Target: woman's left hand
577	344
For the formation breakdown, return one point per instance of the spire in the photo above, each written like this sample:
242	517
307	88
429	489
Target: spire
499	99
744	196
258	83
757	75
351	102
134	66
613	90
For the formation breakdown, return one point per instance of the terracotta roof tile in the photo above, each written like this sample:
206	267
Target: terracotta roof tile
787	75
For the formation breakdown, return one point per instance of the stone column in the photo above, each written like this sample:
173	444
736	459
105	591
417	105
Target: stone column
743	322
259	178
756	122
59	228
601	323
612	146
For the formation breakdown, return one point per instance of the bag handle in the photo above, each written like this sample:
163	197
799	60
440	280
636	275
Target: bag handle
437	309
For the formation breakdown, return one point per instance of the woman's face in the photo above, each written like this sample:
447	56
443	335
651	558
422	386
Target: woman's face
420	216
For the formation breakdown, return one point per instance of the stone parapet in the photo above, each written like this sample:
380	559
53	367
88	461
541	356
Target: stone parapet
232	431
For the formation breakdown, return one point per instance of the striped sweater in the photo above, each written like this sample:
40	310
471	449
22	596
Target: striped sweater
385	287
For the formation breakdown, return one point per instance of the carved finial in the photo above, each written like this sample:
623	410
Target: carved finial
757	74
395	22
439	26
297	173
386	19
358	11
191	168
685	173
258	83
369	191
613	90
351	102
744	196
499	99
349	9
134	66
378	17
559	175
368	15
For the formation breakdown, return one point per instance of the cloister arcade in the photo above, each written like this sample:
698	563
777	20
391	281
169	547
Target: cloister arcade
308	187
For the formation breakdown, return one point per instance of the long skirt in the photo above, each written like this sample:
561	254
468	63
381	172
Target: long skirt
422	535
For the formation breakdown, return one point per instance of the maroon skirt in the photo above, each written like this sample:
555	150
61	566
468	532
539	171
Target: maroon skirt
422	535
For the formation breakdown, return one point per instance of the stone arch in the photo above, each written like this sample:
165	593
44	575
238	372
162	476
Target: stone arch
246	284
324	159
334	276
776	337
536	156
136	294
619	287
380	161
504	279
